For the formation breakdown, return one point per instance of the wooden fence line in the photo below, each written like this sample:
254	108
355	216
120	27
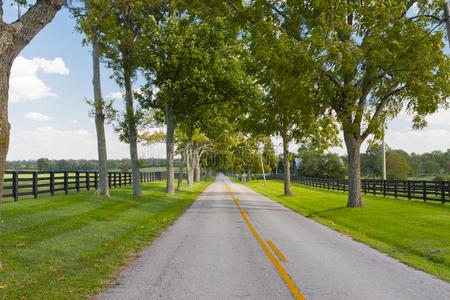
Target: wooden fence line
411	189
35	183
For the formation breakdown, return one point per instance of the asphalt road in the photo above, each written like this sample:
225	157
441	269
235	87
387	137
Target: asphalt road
211	252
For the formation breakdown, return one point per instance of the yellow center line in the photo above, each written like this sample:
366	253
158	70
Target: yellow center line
277	252
289	282
246	212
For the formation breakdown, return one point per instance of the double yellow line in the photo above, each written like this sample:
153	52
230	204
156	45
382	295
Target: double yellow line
289	282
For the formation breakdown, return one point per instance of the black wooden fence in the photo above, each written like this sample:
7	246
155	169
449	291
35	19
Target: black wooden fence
34	183
411	189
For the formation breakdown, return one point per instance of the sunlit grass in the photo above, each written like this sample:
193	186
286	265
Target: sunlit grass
73	246
414	232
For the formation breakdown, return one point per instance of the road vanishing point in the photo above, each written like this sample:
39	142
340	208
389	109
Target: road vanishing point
234	243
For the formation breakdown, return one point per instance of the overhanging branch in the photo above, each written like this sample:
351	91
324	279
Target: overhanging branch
384	100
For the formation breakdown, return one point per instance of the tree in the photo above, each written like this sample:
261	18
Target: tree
371	165
90	14
123	38
284	110
124	166
332	166
430	167
447	167
397	167
193	64
43	164
370	60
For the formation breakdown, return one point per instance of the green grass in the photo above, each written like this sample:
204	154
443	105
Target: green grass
414	232
73	246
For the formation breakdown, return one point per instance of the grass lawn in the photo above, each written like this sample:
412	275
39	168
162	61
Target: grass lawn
414	232
73	246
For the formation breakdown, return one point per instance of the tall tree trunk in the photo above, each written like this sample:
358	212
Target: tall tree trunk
287	167
181	171
353	145
102	188
198	171
170	184
189	170
196	164
249	173
4	124
132	136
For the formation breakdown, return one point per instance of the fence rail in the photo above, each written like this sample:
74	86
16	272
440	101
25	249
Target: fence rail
34	183
411	189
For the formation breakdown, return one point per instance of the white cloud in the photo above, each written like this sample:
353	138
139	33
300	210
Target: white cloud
74	122
121	95
55	143
442	117
419	141
24	83
115	95
35	116
48	141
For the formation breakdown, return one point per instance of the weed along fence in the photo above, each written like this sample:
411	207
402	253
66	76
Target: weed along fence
411	189
34	183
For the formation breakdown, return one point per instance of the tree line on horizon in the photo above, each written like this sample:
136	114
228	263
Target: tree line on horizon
45	164
400	165
225	76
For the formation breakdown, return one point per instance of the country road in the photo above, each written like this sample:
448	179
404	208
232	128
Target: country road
219	249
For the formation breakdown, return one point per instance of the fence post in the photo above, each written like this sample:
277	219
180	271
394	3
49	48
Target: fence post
15	179
409	190
66	182
88	185
120	179
96	179
115	179
384	188
35	185
109	179
77	180
443	191
424	186
374	187
52	183
395	188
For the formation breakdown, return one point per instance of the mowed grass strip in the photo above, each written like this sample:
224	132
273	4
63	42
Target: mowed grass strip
72	246
414	232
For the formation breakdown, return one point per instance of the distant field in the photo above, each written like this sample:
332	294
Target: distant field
73	246
415	232
424	177
158	169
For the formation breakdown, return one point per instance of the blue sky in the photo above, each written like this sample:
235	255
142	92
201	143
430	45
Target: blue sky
49	118
56	123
